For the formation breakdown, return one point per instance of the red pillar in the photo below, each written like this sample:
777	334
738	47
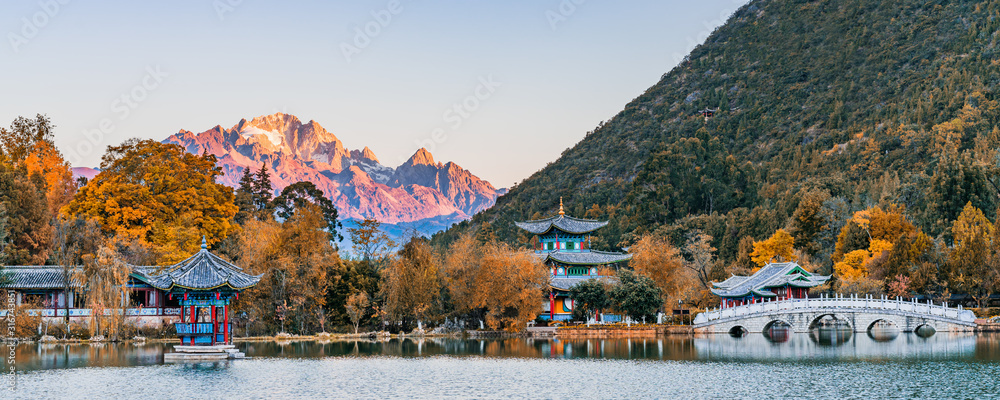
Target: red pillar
552	306
194	325
215	326
225	311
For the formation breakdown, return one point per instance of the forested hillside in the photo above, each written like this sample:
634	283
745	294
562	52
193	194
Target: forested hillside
847	104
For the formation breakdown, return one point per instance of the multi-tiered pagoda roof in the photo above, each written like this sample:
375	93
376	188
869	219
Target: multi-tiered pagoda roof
565	247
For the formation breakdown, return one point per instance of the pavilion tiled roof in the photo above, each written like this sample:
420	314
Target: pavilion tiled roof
36	277
585	257
566	283
203	271
770	276
566	224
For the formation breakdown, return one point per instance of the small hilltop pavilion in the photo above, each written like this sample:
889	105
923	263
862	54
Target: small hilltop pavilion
776	281
204	285
565	248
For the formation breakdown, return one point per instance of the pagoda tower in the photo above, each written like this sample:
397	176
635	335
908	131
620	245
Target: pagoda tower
565	248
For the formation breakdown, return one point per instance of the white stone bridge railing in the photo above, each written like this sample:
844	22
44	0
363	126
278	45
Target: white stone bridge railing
839	304
86	312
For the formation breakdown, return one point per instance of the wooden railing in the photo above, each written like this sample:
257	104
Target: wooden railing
200	328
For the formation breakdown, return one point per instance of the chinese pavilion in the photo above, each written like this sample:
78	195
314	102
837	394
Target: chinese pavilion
777	281
565	248
204	285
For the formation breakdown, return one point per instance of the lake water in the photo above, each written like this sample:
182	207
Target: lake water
824	364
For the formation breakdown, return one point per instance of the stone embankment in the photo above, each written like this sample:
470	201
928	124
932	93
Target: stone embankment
621	331
983	325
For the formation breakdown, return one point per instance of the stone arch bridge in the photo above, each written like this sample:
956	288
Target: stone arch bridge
861	314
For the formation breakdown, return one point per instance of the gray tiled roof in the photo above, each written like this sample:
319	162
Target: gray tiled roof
203	271
563	223
565	283
732	281
36	277
585	257
771	275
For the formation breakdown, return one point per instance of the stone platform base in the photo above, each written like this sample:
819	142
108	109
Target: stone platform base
203	353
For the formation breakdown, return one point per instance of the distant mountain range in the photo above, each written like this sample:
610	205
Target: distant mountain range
420	194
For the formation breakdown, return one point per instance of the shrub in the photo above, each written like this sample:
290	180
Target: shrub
79	331
25	325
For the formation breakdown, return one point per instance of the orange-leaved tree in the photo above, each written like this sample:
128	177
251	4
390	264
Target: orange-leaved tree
778	248
972	271
411	284
296	258
495	281
160	194
656	258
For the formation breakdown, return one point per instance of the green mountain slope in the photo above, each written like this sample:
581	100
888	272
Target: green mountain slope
852	103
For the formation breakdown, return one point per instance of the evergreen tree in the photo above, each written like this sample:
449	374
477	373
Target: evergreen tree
263	192
635	295
244	198
298	195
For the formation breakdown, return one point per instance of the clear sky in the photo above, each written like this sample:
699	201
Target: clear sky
529	78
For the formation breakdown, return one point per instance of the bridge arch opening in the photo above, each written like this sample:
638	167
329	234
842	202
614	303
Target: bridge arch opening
830	321
925	330
777	331
882	323
883	330
738	331
777	324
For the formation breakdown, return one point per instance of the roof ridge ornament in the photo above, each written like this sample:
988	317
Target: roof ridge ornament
561	212
204	244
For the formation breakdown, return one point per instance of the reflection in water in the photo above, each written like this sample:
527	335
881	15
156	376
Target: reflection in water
778	333
843	345
949	366
831	336
883	334
925	331
777	344
737	331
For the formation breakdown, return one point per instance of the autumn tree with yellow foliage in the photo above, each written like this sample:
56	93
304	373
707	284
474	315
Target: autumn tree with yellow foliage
867	241
297	259
411	283
972	264
35	181
494	281
780	247
159	194
657	259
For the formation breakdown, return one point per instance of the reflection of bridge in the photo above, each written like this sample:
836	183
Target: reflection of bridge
801	315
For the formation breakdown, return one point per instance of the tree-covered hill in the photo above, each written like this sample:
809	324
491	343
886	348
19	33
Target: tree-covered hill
850	104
